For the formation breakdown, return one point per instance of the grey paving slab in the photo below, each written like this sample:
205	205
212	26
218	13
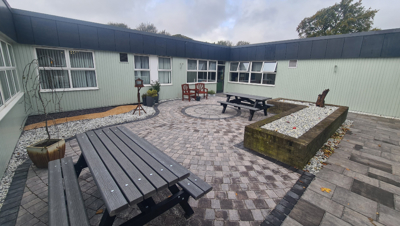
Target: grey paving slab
335	178
290	222
356	202
324	203
374	193
388	216
330	220
355	218
306	213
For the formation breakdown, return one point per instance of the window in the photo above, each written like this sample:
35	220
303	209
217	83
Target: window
123	57
253	72
201	71
292	63
61	69
164	70
9	84
142	68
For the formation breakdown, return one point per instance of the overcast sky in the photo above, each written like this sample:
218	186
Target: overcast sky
254	21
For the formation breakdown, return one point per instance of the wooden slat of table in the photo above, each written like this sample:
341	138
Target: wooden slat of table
132	194
258	98
164	159
200	183
158	182
115	200
139	180
76	208
153	163
190	187
57	205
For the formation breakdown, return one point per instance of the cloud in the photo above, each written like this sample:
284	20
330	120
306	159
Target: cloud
254	21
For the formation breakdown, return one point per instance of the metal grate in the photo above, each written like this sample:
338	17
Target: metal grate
123	57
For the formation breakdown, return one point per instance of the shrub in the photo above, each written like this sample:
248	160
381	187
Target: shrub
156	86
211	92
152	93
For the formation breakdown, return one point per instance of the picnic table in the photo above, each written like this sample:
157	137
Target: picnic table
251	102
127	170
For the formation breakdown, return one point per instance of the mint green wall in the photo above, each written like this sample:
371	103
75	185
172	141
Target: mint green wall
365	85
115	81
10	130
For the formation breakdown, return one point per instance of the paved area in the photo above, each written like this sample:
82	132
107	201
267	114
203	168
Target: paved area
246	187
364	178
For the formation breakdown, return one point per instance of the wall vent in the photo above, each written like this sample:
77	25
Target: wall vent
292	63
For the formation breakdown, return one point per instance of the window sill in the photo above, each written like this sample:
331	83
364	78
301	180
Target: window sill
10	105
252	84
68	90
192	83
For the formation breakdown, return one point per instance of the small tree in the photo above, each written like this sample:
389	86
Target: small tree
119	25
164	32
36	101
341	18
242	43
181	36
224	43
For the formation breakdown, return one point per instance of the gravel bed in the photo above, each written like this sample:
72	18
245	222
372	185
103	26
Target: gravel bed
322	155
298	123
64	130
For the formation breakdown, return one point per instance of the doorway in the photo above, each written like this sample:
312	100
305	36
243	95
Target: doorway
220	78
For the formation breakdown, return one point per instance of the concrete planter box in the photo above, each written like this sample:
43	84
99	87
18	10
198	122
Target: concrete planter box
292	151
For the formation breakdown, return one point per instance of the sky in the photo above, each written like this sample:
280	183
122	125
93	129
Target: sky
255	21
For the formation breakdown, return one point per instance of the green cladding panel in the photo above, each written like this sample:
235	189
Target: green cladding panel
365	85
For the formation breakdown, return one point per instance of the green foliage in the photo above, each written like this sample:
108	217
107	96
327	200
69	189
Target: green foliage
182	36
156	86
341	18
150	27
152	93
144	95
241	43
119	25
224	43
211	92
164	32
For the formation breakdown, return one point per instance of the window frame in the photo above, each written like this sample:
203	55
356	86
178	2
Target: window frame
68	68
127	58
250	72
158	70
198	70
12	69
149	69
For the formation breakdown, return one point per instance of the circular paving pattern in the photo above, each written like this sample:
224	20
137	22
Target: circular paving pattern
210	111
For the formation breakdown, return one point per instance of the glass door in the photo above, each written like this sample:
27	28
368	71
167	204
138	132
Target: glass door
220	80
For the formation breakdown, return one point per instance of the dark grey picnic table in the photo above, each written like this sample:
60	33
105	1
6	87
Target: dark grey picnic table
129	170
252	102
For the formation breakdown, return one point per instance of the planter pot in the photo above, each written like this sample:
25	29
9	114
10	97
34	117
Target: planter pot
197	98
144	101
156	99
211	95
150	101
44	151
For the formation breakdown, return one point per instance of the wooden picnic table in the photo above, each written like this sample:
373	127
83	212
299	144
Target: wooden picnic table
252	102
129	170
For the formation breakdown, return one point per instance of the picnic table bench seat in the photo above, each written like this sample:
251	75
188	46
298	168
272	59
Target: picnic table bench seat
246	106
66	205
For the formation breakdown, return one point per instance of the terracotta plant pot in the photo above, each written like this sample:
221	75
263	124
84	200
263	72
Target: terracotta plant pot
44	151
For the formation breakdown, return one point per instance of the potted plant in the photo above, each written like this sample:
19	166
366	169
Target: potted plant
144	95
211	93
156	86
48	149
151	94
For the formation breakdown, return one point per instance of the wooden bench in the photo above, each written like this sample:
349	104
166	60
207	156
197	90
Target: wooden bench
246	106
129	170
66	205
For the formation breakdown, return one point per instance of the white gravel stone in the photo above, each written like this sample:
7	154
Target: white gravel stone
298	123
64	130
315	163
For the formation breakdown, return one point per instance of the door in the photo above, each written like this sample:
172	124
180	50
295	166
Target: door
220	80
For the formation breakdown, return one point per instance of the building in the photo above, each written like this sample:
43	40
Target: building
96	66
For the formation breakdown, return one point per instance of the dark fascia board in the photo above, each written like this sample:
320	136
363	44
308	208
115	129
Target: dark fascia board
97	25
367	33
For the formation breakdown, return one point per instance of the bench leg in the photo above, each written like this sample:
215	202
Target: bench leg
223	110
185	205
251	115
80	165
107	220
265	109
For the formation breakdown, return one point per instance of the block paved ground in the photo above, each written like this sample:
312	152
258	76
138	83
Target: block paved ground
364	176
245	187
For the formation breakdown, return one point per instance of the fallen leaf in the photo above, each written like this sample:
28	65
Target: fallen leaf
372	221
294	127
377	213
347	169
99	211
327	190
379	145
236	193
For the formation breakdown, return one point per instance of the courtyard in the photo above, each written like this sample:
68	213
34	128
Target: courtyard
363	174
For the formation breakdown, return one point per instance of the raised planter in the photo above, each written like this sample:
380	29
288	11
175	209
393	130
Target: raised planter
292	151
